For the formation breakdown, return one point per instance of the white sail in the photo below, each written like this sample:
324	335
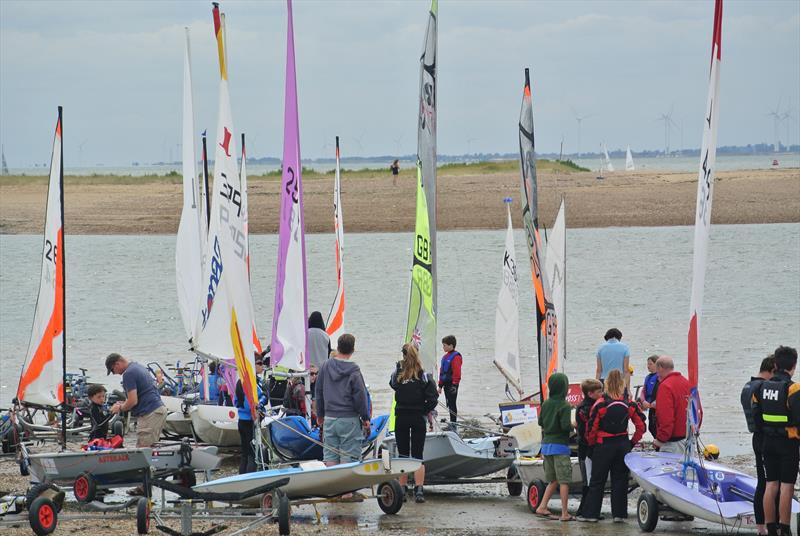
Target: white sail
607	160
42	378
629	160
506	316
555	268
227	304
335	324
192	227
705	191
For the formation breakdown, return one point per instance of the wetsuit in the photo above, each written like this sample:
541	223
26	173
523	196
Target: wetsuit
776	414
758	440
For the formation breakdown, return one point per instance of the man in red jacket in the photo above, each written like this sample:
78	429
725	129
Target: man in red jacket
672	399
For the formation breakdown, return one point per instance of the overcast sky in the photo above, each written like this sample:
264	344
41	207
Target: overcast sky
117	69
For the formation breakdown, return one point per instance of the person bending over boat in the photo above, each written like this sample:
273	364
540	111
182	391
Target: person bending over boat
608	435
342	405
247	461
143	400
613	355
556	423
765	372
776	414
592	391
450	374
672	399
415	399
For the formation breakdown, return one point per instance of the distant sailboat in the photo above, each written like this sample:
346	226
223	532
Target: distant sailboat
335	324
629	160
606	160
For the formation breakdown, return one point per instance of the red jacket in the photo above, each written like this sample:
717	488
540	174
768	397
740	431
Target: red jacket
455	368
672	399
609	417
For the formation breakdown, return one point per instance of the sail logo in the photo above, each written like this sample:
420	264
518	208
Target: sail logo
226	141
213	280
770	394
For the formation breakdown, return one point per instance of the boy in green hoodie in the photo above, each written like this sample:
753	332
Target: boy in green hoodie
555	420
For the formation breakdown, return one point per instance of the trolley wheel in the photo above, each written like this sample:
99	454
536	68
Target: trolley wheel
24	466
185	478
84	488
143	515
266	504
283	515
535	494
390	497
513	482
51	491
43	516
647	511
118	428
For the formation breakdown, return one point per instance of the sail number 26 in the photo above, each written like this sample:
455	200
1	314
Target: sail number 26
50	251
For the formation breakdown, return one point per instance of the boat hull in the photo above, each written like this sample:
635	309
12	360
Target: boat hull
216	425
661	474
313	479
106	466
448	457
178	423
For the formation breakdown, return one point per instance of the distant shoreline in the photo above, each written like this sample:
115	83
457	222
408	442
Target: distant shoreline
468	197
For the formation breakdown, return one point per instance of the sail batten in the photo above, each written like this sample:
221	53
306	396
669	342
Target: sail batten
705	190
42	377
335	324
546	322
289	324
422	306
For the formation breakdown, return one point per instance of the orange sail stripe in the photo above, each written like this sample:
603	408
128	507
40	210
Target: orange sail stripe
246	373
55	328
256	342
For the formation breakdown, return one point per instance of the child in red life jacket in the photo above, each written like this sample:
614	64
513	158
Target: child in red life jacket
592	391
608	435
450	374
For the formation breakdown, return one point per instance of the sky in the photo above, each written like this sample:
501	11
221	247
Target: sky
117	68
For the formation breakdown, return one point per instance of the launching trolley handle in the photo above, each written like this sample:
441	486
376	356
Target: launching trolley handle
188	493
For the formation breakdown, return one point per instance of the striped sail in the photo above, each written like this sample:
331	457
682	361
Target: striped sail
506	316
336	316
191	239
555	262
42	378
421	326
225	319
546	323
629	160
289	324
705	190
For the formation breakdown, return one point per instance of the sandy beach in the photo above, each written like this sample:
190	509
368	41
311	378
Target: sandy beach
468	198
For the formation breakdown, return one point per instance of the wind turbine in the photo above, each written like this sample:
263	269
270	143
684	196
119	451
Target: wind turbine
668	123
787	116
469	145
579	119
776	117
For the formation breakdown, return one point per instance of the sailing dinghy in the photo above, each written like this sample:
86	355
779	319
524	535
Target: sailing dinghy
629	166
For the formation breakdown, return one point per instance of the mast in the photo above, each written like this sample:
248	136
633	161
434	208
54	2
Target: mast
64	286
205	181
705	190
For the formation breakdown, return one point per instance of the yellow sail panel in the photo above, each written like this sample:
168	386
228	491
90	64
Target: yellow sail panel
245	366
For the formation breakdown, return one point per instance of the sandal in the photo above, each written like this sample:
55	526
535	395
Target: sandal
567	519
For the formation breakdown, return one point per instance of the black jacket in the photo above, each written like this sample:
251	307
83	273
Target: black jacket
417	396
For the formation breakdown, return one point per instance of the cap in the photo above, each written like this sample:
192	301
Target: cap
111	361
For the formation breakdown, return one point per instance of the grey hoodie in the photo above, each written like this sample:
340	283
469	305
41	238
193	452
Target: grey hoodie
340	390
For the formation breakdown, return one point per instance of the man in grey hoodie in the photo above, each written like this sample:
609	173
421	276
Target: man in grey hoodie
342	405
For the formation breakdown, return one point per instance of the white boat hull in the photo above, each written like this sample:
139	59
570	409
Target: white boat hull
216	425
177	423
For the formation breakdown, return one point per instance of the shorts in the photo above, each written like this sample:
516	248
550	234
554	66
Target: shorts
410	427
341	439
558	468
781	457
148	427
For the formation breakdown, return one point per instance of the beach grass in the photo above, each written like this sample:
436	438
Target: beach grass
173	177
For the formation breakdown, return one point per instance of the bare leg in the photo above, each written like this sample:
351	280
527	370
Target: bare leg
419	476
770	493
548	492
785	504
564	492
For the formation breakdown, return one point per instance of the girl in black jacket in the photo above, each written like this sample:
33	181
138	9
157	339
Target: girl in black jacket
415	398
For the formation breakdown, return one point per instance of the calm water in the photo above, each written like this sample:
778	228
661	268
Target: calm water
121	297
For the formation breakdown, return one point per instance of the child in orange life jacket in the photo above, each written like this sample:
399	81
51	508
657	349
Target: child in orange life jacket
592	391
608	434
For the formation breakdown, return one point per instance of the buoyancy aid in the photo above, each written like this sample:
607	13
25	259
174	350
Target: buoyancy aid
446	369
773	398
609	417
747	398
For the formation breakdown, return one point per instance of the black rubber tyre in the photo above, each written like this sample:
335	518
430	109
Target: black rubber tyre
118	428
42	516
37	489
24	469
84	488
143	516
283	515
185	478
647	511
535	494
513	482
390	497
